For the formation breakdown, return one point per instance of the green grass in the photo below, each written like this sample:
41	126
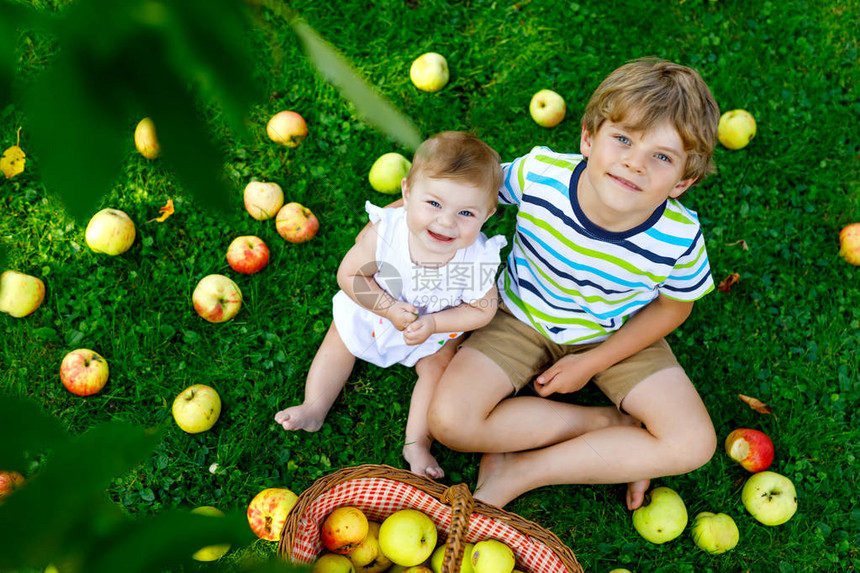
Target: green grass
787	334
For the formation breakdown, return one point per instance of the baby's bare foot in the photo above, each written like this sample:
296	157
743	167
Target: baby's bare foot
636	493
421	461
300	417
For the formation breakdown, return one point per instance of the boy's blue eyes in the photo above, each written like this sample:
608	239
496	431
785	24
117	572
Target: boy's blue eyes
466	213
660	156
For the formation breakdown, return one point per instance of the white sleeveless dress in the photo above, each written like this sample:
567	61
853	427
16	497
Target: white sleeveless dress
465	278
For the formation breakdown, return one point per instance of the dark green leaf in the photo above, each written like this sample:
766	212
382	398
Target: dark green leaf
35	430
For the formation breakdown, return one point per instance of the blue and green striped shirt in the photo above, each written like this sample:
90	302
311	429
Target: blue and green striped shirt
575	282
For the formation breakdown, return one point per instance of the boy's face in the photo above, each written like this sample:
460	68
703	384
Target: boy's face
443	216
630	173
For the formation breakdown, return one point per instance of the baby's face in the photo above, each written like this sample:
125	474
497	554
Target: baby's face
443	216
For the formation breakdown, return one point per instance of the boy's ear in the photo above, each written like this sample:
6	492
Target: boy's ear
681	187
585	141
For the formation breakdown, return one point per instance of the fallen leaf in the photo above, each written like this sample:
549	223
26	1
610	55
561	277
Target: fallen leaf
742	243
727	283
756	404
13	160
165	211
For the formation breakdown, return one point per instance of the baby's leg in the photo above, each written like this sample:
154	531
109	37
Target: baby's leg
416	451
329	371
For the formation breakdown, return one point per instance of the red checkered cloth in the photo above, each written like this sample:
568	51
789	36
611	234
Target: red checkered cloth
379	497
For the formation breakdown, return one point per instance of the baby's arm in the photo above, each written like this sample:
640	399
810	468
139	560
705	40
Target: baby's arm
461	318
355	278
660	317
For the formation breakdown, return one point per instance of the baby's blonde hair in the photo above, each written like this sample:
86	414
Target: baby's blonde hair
648	91
460	156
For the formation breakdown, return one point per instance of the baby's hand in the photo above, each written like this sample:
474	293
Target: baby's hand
401	315
420	330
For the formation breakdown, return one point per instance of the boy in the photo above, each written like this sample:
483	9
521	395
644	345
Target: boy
605	263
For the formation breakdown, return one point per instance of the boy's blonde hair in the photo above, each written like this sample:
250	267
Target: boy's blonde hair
460	156
648	91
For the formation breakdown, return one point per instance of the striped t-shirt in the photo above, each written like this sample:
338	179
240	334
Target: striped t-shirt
575	282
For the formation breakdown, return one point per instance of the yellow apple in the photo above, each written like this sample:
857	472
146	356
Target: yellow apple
388	171
429	72
492	556
662	517
439	555
210	552
407	537
770	498
849	243
333	563
145	140
736	129
547	108
344	529
110	231
268	512
197	408
367	557
263	199
714	533
287	128
20	294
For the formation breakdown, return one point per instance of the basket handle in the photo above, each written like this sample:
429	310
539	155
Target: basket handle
462	503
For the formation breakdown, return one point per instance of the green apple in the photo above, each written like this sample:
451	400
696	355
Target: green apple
145	140
388	171
620	570
492	556
110	231
547	108
20	294
333	563
429	72
770	498
662	517
368	556
715	533
439	555
407	537
197	408
736	129
210	552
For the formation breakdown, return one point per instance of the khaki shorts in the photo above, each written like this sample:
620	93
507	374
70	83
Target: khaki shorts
523	353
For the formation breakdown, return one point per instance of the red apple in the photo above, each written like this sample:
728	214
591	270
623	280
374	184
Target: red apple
849	243
287	128
9	482
248	255
296	223
268	511
217	298
750	448
83	372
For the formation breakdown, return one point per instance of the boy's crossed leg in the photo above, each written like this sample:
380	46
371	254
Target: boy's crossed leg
569	443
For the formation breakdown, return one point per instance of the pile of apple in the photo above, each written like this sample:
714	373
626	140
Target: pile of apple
768	496
404	542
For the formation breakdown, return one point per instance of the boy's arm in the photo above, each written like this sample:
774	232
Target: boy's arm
355	278
461	318
660	317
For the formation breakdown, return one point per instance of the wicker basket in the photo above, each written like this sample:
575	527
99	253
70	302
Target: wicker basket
380	490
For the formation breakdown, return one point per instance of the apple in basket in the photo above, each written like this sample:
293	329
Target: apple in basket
368	557
344	529
408	537
333	563
492	556
439	555
268	511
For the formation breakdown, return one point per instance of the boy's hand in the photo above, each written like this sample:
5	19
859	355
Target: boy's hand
401	314
420	330
569	374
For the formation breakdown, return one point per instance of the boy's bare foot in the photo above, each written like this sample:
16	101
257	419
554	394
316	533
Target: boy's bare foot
492	479
300	417
636	493
421	461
